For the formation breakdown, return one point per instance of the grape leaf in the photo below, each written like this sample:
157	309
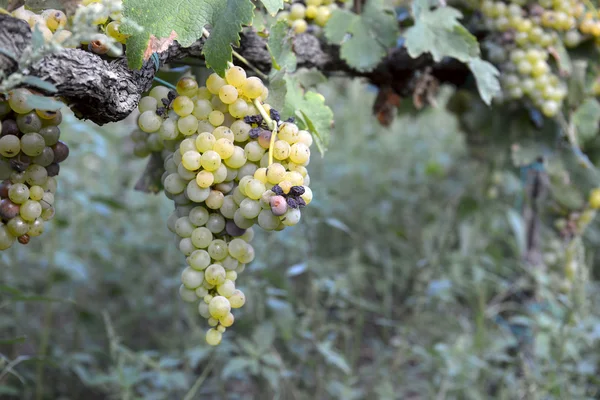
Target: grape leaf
273	6
586	119
187	19
364	38
486	76
280	47
438	32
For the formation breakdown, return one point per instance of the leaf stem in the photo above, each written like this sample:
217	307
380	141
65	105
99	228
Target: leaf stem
165	83
237	55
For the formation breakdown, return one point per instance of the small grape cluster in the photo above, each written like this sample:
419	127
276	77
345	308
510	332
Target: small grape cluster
299	15
55	26
30	153
528	31
230	163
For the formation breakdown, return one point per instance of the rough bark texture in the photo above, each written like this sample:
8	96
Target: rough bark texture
104	90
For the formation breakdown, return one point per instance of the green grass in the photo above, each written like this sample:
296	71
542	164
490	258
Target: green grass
398	283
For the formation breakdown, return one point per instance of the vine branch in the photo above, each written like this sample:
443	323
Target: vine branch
104	90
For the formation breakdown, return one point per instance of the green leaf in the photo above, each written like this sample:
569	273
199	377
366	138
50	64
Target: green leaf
39	83
586	119
486	76
364	38
187	19
277	90
43	103
273	6
333	357
18	339
227	25
311	110
280	47
438	32
310	77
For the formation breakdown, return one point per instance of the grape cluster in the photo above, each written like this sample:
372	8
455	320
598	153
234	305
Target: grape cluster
300	14
527	32
55	26
230	163
30	153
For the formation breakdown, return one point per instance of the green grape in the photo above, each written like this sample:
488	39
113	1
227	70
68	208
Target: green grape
215	223
10	145
191	160
186	294
36	175
228	208
18	193
187	86
248	235
195	193
205	179
291	217
36	193
192	278
201	237
217	249
235	76
18	101
6	239
210	160
297	11
288	131
203	93
202	109
113	30
17	226
276	172
51	134
220	174
213	337
203	307
250	209
299	26
215	199
231	275
183	106
237	299
228	94
248	256
198	215
36	228
147	103
187	125
186	246
261	175
184	227
32	144
240	130
299	154
216	117
218	105
224	147
199	259
214	83
205	142
237	159
201	292
255	189
253	87
227	320
30	210
174	184
29	122
168	130
215	274
307	196
306	138
159	93
149	122
237	248
267	220
247	169
223	132
281	150
188	144
238	109
219	307
549	108
254	151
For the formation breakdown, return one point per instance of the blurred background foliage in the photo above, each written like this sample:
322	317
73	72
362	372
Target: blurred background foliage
404	281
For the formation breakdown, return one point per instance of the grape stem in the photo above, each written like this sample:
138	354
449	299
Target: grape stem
271	124
237	55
